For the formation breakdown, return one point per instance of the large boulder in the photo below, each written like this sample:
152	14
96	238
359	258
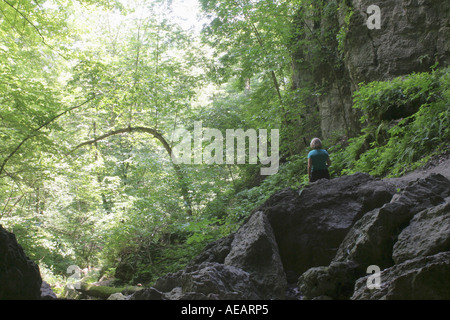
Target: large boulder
310	227
254	249
428	233
209	280
245	265
373	239
422	278
20	278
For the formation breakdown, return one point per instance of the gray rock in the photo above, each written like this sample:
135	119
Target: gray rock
422	278
254	249
309	228
329	234
290	232
413	35
428	233
147	294
371	239
47	292
335	281
209	280
117	296
19	276
244	265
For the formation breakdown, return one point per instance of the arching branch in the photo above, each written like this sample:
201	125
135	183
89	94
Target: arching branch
151	131
167	147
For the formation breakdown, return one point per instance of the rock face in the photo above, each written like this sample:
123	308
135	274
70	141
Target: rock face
422	278
427	234
19	276
413	224
413	36
372	238
255	250
324	238
310	227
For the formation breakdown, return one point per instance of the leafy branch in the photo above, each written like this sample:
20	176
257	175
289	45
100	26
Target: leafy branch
36	131
44	41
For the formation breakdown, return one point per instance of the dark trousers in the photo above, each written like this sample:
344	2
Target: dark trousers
320	174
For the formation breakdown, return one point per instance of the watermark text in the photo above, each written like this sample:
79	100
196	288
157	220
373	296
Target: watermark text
191	148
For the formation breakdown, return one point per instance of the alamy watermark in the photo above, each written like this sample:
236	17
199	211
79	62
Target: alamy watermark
74	281
374	280
190	148
374	20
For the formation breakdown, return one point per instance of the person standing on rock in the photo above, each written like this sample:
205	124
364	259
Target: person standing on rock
318	161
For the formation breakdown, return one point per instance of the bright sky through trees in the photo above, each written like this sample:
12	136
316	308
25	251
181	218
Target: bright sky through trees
187	11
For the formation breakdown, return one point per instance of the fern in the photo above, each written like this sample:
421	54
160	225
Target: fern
392	147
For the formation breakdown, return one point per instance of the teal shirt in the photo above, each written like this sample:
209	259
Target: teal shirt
319	159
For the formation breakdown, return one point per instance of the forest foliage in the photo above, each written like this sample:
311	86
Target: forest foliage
91	92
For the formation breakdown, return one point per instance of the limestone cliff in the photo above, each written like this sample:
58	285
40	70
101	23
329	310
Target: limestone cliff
334	51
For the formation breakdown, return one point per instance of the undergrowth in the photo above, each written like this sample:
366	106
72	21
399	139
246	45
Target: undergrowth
406	121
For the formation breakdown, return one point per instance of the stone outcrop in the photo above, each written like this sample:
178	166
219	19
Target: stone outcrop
413	224
372	238
255	250
245	265
19	276
422	278
310	227
427	234
414	35
324	238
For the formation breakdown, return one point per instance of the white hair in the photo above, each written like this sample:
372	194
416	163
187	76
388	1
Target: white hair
316	143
